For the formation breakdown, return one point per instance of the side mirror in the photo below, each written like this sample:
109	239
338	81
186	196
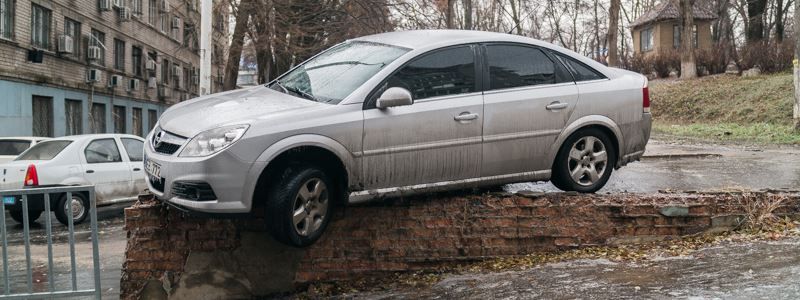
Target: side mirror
394	97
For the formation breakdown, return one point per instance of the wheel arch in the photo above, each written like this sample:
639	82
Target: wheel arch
594	121
330	154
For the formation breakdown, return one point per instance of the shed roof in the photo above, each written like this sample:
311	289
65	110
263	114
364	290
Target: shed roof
666	10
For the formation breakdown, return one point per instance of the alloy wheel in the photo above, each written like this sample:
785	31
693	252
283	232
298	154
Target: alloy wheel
588	160
310	207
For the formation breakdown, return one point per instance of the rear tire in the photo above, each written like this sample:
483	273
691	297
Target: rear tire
80	209
299	204
585	161
33	215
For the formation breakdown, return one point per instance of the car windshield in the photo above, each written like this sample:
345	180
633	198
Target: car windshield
13	147
337	72
44	150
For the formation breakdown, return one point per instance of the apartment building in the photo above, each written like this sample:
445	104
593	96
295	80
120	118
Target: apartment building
92	66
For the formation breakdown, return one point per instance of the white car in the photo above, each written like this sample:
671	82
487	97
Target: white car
110	162
11	147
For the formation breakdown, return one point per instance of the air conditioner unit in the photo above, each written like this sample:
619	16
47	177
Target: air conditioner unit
176	22
152	83
93	52
164	6
196	79
176	71
193	5
114	80
150	65
125	14
65	44
133	85
118	3
104	5
164	91
93	75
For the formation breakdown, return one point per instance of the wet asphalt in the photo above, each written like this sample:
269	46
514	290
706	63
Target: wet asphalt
765	270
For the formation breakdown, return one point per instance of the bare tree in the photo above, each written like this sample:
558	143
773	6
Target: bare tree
755	17
237	43
686	17
613	33
797	68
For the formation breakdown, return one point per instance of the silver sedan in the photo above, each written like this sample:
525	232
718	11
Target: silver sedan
396	114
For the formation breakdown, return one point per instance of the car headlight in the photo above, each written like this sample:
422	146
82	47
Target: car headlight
213	141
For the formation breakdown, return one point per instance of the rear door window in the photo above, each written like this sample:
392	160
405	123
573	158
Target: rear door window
102	151
44	151
513	66
135	149
13	147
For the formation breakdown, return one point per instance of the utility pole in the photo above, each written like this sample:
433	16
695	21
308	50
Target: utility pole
205	46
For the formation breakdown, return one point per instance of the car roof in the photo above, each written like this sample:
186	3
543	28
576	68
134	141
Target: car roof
95	136
415	39
25	138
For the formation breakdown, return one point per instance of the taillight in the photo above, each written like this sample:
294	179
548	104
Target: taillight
646	99
31	177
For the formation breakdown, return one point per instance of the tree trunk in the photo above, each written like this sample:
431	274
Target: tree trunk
688	65
613	33
467	14
796	68
449	15
755	15
237	41
779	18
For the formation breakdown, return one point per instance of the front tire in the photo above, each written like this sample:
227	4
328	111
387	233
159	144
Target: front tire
585	162
299	205
80	209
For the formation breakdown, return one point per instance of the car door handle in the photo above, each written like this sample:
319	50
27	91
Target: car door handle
136	169
89	171
466	116
557	105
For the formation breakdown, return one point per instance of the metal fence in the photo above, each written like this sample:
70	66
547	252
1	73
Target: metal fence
29	293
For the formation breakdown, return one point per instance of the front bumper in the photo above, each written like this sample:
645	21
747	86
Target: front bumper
224	172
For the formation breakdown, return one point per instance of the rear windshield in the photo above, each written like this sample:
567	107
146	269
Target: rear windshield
13	147
44	150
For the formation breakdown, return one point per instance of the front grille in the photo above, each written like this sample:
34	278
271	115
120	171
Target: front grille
157	183
167	148
193	190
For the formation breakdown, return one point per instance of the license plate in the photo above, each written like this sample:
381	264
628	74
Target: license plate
153	169
9	200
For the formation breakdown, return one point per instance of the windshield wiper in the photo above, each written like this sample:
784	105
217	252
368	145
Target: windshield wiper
296	91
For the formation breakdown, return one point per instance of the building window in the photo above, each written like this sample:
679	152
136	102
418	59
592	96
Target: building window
119	119
190	36
152	12
185	78
136	61
73	29
677	30
98	118
164	23
74	116
152	119
176	77
119	55
42	113
7	19
175	28
646	39
137	121
98	39
40	26
137	7
165	71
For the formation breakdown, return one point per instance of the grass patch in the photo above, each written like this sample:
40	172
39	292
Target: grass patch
758	133
724	99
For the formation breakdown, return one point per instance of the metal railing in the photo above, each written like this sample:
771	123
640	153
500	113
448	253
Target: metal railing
51	291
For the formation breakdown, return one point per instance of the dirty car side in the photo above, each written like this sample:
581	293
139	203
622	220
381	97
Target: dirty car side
481	137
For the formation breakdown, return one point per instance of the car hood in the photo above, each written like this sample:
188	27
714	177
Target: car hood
245	106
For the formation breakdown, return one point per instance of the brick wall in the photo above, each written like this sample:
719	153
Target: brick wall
420	233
